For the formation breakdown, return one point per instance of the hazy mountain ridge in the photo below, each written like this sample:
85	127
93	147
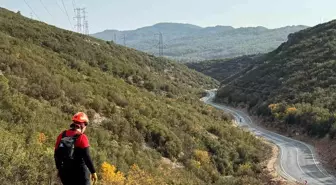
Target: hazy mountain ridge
189	42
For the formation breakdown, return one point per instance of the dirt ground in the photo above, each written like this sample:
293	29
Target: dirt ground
271	167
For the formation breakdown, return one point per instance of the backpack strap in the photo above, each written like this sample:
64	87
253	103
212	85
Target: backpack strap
64	134
75	137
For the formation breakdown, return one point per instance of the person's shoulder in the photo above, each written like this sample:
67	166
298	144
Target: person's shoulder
83	141
83	136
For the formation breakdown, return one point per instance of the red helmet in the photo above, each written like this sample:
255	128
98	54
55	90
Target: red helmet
80	117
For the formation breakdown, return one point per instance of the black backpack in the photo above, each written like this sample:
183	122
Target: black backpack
65	151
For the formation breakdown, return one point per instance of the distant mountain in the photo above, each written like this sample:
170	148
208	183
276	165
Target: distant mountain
188	42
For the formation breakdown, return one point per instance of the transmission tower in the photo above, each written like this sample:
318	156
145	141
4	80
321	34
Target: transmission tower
78	19
124	37
85	22
160	44
82	24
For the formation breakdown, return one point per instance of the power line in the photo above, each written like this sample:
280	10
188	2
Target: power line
32	10
45	8
66	12
59	6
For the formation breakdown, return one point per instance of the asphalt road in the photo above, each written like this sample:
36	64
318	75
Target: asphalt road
296	161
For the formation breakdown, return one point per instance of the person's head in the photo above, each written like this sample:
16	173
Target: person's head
79	121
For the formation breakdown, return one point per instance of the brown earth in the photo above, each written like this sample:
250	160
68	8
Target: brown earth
276	179
325	148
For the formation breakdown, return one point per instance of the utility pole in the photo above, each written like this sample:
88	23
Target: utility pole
78	19
160	44
161	41
31	15
124	37
85	22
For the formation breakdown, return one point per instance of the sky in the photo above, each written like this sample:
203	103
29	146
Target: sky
133	14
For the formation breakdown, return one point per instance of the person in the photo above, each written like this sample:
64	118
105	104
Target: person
75	163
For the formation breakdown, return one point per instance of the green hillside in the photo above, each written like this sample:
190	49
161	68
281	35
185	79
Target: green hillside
294	86
225	69
189	43
144	111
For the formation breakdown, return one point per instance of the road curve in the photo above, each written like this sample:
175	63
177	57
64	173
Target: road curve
297	161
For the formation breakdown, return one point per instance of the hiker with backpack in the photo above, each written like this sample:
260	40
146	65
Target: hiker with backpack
72	156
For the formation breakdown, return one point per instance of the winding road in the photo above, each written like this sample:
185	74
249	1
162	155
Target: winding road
296	160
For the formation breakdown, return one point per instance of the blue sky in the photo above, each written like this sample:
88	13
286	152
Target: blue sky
132	14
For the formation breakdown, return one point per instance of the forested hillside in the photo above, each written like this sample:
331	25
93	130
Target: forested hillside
189	43
222	69
147	123
293	85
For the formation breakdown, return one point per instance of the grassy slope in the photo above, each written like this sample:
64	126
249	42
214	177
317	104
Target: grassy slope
298	79
150	106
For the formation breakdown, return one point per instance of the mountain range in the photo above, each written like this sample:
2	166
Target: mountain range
187	42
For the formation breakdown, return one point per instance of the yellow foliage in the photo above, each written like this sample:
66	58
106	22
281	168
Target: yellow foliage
196	164
136	176
111	176
273	106
202	156
42	138
245	169
291	110
245	166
